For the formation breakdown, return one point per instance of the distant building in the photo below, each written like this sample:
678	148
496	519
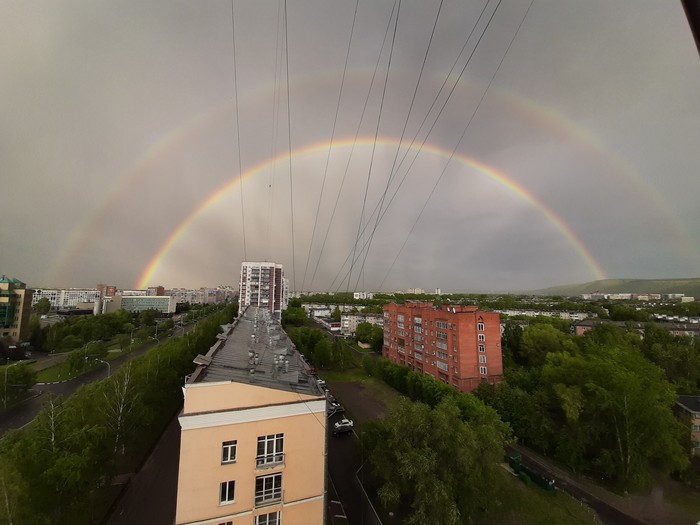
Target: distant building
263	285
106	290
458	345
349	322
155	290
138	303
362	295
253	440
681	329
691	406
65	298
15	309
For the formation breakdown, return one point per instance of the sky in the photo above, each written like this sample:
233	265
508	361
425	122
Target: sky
165	142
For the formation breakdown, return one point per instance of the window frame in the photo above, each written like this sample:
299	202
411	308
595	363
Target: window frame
483	370
227	487
268	496
277	518
226	448
271	455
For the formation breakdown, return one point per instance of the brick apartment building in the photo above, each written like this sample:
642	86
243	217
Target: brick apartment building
458	345
253	441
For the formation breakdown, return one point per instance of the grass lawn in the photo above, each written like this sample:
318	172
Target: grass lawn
530	505
55	373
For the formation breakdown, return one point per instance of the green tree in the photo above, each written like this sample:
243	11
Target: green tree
541	339
336	314
42	306
615	414
408	452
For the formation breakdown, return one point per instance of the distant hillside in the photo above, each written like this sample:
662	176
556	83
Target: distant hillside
685	286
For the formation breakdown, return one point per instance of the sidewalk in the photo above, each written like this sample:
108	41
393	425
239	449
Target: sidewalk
652	509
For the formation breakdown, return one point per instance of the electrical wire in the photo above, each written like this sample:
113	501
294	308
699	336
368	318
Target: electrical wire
289	142
238	130
352	149
330	144
403	132
376	134
459	142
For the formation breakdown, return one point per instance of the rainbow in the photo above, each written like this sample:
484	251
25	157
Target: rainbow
321	147
533	111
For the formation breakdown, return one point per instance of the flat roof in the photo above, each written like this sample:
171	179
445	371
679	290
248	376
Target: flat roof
255	350
690	403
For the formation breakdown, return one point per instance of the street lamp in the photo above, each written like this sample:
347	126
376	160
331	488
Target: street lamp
109	367
86	346
6	369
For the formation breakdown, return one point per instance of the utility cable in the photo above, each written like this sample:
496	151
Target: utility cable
352	149
403	132
459	142
238	130
330	145
289	142
376	133
439	114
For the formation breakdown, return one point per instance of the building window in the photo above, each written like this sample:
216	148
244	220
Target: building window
226	523
482	338
482	359
442	366
228	492
442	335
482	348
273	518
443	355
270	450
480	327
482	370
441	324
441	346
268	489
228	452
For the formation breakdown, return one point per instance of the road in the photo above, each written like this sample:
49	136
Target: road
24	413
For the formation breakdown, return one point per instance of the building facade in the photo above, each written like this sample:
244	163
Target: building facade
253	439
61	299
138	303
15	309
458	345
262	284
349	322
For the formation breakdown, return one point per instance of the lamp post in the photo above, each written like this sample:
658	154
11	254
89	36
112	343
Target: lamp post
6	369
109	367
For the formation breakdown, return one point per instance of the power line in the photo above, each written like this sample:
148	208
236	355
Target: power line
403	132
442	108
376	133
376	209
238	131
352	149
459	142
275	120
289	142
330	145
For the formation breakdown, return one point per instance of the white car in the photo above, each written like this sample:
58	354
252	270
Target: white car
343	426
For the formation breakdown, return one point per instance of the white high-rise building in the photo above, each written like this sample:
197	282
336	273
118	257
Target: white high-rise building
263	285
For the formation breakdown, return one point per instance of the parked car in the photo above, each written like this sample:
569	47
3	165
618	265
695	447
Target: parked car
334	408
344	426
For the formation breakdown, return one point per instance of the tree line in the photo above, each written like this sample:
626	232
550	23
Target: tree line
56	469
601	403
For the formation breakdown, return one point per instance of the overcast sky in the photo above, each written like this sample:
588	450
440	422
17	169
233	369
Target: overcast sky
578	158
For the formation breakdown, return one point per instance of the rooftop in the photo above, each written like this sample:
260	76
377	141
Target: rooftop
690	403
255	350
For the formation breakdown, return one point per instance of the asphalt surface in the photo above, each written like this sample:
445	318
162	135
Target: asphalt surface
150	496
22	414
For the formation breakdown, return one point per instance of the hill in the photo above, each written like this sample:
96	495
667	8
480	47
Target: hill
685	286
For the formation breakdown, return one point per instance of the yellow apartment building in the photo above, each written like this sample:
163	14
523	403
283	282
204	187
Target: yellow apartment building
253	439
15	309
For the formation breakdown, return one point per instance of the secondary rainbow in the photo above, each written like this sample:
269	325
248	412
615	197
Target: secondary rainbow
476	165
